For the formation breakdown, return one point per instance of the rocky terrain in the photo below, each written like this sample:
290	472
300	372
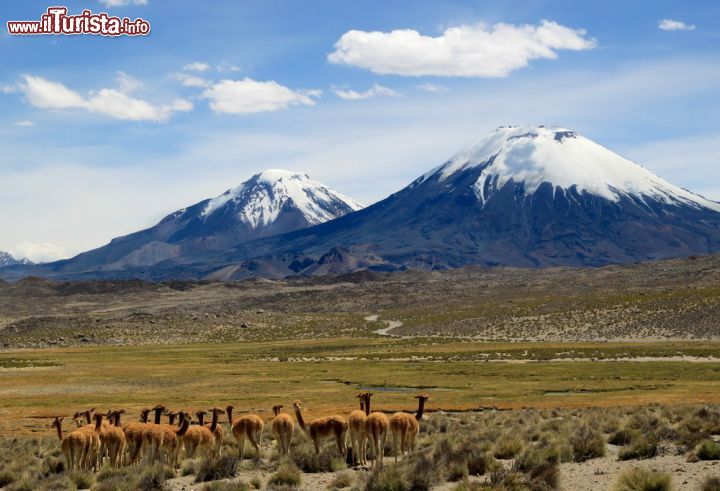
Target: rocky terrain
661	300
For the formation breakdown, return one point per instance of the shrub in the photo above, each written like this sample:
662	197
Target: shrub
52	465
541	467
25	484
478	461
470	486
624	437
152	478
637	479
7	477
711	484
386	479
423	474
457	471
507	480
109	479
222	467
57	483
286	475
507	446
256	483
641	448
342	480
587	443
226	486
83	480
708	450
305	458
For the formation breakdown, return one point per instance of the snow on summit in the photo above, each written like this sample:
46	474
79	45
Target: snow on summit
259	200
532	155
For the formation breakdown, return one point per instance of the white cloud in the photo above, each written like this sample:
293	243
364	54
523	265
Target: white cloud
224	66
47	94
675	25
192	80
122	3
24	122
249	96
8	89
127	83
464	51
374	91
197	66
428	87
38	252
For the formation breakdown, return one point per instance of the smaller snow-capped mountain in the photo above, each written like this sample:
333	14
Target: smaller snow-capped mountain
6	259
276	196
270	203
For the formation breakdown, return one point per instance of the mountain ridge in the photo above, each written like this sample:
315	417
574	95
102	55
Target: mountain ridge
533	197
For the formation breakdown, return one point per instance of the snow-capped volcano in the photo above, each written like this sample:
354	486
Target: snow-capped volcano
7	259
259	201
270	203
533	155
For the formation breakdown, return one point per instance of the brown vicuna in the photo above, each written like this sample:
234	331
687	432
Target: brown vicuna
115	439
376	428
247	427
153	435
282	428
94	455
172	439
319	428
405	427
72	445
198	438
96	449
217	430
358	439
95	434
134	436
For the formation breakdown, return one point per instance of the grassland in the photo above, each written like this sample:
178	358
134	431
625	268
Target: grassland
326	374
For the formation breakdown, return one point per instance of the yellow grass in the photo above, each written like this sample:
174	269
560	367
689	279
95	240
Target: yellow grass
326	374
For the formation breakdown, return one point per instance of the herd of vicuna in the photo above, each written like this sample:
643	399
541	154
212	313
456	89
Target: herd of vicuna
102	436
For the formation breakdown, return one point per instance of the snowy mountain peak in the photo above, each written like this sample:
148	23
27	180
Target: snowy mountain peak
6	259
259	200
533	155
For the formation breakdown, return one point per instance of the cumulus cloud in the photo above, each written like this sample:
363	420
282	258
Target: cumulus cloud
249	96
38	253
197	66
192	80
24	122
374	91
127	83
47	94
428	87
122	3
675	25
465	51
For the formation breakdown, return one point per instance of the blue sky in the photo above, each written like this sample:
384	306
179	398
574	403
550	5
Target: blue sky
104	136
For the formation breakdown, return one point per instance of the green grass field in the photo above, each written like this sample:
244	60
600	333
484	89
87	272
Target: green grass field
326	374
